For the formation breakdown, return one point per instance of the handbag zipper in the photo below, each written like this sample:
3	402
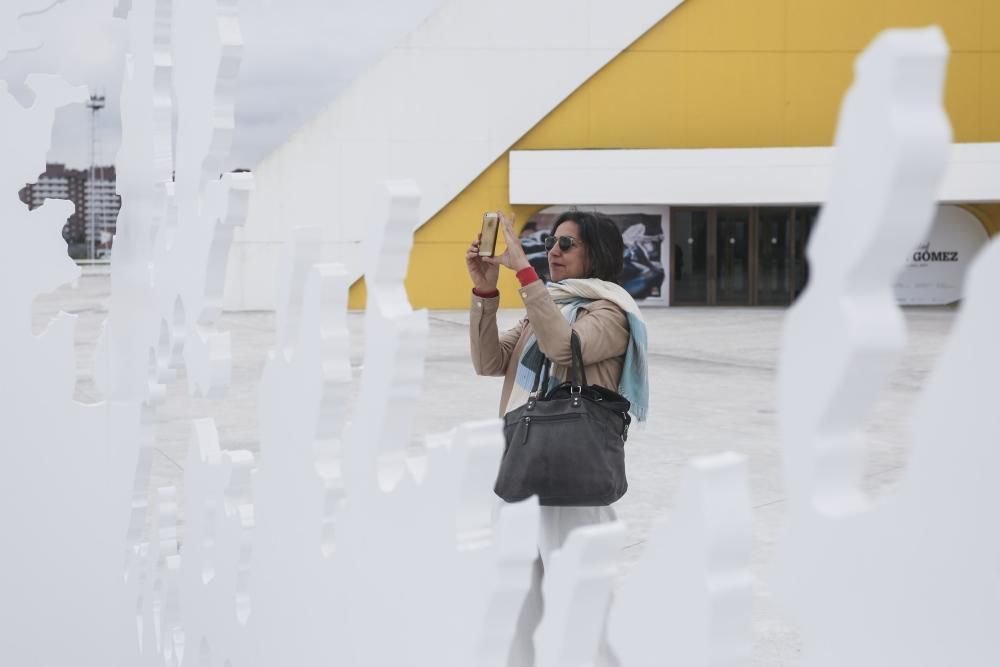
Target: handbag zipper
528	419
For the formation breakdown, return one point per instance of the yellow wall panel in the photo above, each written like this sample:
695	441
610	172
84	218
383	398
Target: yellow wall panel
734	99
962	95
502	181
961	20
991	25
357	296
736	25
990	98
436	270
815	84
832	25
705	104
636	102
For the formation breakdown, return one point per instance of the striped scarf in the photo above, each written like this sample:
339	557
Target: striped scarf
570	295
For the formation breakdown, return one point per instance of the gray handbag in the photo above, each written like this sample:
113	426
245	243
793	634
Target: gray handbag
567	445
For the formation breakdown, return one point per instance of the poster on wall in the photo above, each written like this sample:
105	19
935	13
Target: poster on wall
642	229
935	270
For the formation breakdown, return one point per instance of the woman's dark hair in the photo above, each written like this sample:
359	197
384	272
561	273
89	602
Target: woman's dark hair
602	240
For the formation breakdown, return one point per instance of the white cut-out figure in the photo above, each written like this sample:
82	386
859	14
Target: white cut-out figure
388	510
178	212
170	250
159	638
577	591
688	600
292	613
191	257
122	364
64	492
168	632
359	536
395	339
217	553
909	579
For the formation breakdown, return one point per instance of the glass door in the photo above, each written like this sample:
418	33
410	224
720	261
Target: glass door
689	261
732	257
774	257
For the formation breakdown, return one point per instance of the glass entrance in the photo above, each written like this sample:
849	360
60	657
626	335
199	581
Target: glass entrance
689	261
739	256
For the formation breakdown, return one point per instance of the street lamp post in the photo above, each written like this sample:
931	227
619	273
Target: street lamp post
95	104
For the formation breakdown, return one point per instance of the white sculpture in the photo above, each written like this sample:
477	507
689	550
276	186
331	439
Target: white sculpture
577	592
688	600
214	567
910	579
290	499
63	509
178	215
173	233
176	222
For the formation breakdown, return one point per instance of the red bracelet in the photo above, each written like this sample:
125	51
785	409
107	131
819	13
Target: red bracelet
527	275
486	295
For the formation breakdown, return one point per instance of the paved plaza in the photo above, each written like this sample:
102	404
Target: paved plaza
712	390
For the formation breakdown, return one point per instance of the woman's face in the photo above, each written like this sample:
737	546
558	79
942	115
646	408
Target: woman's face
571	263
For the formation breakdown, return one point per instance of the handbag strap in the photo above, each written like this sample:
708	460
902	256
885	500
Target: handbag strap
579	373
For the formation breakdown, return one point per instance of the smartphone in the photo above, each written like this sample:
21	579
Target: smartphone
488	238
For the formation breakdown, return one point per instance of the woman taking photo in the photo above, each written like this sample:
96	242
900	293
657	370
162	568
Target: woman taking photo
585	255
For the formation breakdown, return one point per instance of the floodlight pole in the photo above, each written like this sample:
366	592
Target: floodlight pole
95	104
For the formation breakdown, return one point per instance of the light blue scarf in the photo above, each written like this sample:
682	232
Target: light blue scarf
573	294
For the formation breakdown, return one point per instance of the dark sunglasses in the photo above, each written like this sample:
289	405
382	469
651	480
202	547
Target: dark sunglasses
565	243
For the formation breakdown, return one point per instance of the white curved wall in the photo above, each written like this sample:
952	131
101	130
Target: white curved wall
439	108
935	271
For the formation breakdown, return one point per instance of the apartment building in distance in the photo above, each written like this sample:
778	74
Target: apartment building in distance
97	205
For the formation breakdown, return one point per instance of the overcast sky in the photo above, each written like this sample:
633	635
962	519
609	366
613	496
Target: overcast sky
298	55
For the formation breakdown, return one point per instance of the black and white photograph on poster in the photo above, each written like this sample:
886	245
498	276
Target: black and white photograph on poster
935	271
642	229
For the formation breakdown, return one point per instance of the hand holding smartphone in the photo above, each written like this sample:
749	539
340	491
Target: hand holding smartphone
489	233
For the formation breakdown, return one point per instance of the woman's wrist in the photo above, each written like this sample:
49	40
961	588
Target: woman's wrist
486	292
527	275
